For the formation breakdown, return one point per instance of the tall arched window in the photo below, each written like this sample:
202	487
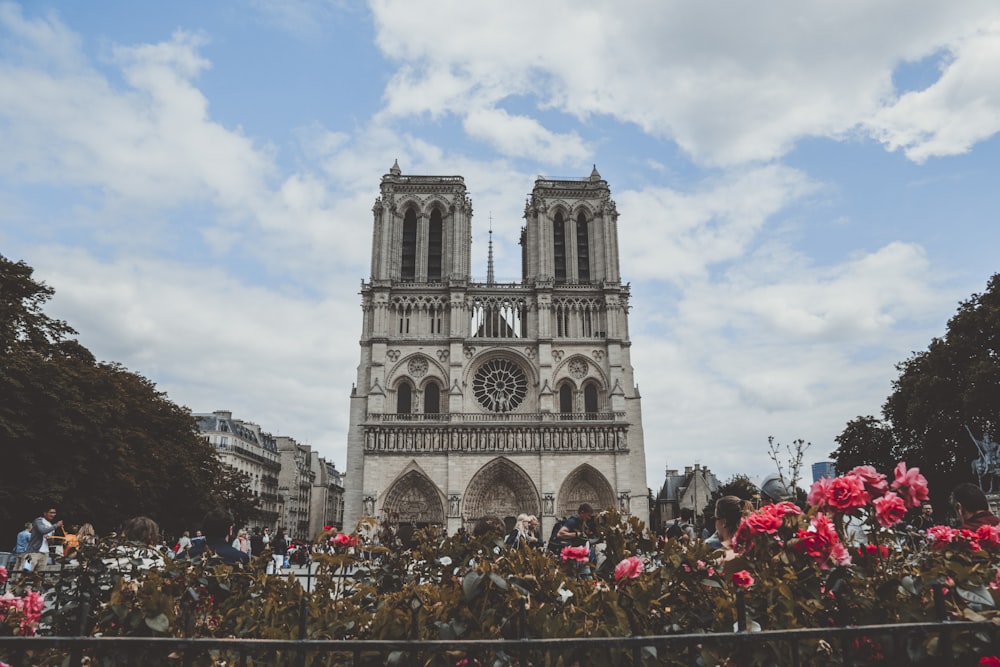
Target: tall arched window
582	249
590	405
559	248
566	400
408	268
404	399
432	399
434	247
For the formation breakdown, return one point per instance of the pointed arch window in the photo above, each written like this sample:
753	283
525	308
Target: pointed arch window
559	248
432	399
582	249
434	247
404	399
566	400
408	266
590	402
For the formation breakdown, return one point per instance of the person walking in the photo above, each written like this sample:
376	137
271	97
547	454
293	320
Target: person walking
279	549
37	552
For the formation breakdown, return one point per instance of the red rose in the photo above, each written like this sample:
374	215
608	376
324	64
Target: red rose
743	579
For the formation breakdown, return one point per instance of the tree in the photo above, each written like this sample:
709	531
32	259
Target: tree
866	441
953	384
738	485
94	439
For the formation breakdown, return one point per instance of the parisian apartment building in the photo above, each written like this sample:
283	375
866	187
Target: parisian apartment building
298	489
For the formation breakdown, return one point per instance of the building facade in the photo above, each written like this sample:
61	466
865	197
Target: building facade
327	501
295	484
479	399
243	446
693	489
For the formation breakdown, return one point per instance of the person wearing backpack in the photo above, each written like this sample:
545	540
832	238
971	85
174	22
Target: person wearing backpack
681	525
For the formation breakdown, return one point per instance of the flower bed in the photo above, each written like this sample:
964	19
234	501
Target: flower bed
793	568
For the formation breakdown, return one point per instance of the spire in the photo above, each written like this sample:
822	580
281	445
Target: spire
594	175
489	260
395	170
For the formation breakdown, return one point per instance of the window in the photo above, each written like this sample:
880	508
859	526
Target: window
434	246
566	401
559	248
500	385
408	268
432	399
582	249
590	405
404	399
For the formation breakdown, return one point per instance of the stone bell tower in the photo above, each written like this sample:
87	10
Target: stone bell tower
482	399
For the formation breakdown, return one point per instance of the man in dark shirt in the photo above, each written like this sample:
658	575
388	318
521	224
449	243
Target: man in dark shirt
972	507
218	527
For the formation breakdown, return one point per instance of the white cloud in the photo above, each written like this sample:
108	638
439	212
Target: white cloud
521	136
729	84
960	109
793	351
674	235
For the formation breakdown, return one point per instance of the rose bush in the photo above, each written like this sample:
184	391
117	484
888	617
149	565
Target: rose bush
793	568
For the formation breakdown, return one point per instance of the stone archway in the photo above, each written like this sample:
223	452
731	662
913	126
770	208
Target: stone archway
501	489
413	498
585	485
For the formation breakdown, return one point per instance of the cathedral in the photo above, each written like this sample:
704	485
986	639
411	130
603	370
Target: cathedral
478	399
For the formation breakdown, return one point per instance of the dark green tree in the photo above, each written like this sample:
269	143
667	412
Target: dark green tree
738	485
866	441
952	386
94	439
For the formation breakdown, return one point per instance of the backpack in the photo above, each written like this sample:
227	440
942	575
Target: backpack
674	530
555	545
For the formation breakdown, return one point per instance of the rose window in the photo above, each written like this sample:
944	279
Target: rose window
500	385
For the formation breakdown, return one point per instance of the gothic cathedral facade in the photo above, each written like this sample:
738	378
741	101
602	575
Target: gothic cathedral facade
478	399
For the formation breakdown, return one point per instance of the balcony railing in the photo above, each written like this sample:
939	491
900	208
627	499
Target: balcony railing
498	417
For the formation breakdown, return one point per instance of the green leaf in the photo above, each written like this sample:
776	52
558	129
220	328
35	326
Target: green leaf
498	581
980	595
159	623
472	585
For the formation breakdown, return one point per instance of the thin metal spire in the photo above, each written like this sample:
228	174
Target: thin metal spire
489	260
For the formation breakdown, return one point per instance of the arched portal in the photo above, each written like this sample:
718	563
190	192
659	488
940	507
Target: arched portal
501	489
414	499
585	485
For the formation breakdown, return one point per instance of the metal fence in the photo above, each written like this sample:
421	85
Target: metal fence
860	645
939	642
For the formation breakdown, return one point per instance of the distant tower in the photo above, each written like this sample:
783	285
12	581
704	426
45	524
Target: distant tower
486	399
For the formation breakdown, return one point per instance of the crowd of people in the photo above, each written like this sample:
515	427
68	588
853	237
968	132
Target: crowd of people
140	539
141	542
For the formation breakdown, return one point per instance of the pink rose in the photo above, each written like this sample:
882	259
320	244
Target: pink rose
629	568
941	536
889	509
743	579
341	539
819	492
875	482
989	537
847	493
910	484
579	554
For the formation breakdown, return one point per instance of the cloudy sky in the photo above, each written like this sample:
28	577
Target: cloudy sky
806	190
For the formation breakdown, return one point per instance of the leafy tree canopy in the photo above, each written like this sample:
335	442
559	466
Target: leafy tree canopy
95	440
952	385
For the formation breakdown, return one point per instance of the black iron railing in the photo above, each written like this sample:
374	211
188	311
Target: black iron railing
814	646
